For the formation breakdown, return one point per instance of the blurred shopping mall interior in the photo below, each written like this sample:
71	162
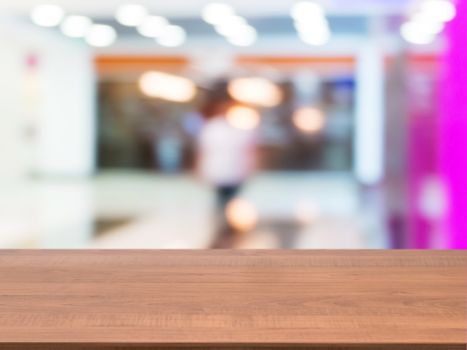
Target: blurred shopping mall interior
356	109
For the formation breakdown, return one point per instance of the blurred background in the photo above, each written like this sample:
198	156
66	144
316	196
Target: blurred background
357	111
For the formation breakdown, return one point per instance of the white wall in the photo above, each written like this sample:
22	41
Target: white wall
12	150
63	116
67	127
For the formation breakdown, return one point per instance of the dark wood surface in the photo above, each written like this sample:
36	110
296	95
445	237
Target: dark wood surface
233	299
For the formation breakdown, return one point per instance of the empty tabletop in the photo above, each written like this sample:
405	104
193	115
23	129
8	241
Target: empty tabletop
233	299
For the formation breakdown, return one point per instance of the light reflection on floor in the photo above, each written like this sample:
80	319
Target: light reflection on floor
143	210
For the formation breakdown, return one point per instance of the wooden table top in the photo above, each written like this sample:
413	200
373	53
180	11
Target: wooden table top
221	299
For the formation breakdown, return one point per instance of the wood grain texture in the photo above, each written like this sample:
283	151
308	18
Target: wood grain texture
118	300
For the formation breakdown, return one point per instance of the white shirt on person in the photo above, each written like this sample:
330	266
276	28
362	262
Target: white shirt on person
226	153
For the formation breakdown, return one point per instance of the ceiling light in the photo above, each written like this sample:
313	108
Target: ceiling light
47	15
244	36
307	11
308	119
423	25
242	40
76	26
416	35
167	86
243	118
231	25
100	35
311	23
317	38
257	91
131	15
215	13
172	36
152	26
438	10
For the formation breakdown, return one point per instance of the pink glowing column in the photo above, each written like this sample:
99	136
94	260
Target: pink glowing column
453	129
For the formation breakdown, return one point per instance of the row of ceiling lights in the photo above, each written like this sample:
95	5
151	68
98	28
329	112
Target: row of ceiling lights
309	18
427	19
74	26
101	35
311	23
229	24
150	26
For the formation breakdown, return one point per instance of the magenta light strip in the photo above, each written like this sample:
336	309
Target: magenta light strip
453	129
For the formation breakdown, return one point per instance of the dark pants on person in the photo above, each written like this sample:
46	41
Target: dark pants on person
225	194
225	231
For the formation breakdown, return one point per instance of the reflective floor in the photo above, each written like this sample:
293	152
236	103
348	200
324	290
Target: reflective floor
143	210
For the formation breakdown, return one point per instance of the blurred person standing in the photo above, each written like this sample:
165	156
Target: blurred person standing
226	156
